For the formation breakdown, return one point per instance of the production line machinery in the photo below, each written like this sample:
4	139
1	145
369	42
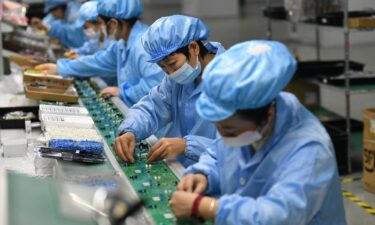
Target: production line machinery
153	184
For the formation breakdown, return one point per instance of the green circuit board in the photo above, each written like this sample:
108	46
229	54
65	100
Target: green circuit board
154	183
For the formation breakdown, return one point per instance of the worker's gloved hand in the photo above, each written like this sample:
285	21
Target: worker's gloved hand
113	91
36	22
193	183
182	203
71	55
48	68
166	148
124	146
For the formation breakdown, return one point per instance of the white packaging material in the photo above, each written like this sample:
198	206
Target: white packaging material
53	132
66	121
63	110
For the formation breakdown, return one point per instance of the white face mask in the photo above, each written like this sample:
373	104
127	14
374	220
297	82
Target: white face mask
186	74
244	139
91	33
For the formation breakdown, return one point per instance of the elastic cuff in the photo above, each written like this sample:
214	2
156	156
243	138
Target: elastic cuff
128	131
189	153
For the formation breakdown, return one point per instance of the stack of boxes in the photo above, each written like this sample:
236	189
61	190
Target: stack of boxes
369	150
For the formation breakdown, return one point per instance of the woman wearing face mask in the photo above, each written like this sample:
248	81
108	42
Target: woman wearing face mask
59	22
125	60
274	162
93	28
175	43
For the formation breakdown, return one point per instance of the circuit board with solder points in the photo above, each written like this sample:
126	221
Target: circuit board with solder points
154	183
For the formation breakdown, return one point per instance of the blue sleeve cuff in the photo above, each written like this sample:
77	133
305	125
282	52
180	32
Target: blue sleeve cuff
192	152
61	63
124	128
123	96
79	51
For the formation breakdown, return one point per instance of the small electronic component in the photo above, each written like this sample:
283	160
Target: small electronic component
66	121
55	132
63	110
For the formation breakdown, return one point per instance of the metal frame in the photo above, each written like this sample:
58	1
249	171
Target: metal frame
1	40
347	78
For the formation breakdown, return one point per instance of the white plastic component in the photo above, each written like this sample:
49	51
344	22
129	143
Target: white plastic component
156	199
168	216
138	171
63	110
66	121
146	184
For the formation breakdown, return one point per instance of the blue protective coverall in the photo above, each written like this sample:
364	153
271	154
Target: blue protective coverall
93	45
292	179
135	75
174	103
64	30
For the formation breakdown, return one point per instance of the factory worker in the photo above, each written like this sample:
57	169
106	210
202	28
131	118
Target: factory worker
59	22
273	162
126	58
65	10
175	43
94	29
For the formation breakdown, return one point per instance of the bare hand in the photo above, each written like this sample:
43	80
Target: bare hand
71	55
124	146
193	183
166	148
49	68
36	22
181	203
113	91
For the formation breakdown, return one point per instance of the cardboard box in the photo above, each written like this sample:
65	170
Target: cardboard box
306	92
369	125
23	61
32	75
365	22
369	165
40	86
51	93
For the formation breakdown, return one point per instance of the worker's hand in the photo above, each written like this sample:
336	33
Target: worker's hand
71	55
166	148
124	146
55	42
36	22
182	203
193	183
49	68
112	91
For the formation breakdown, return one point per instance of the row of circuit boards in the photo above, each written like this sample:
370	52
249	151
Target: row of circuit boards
154	183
